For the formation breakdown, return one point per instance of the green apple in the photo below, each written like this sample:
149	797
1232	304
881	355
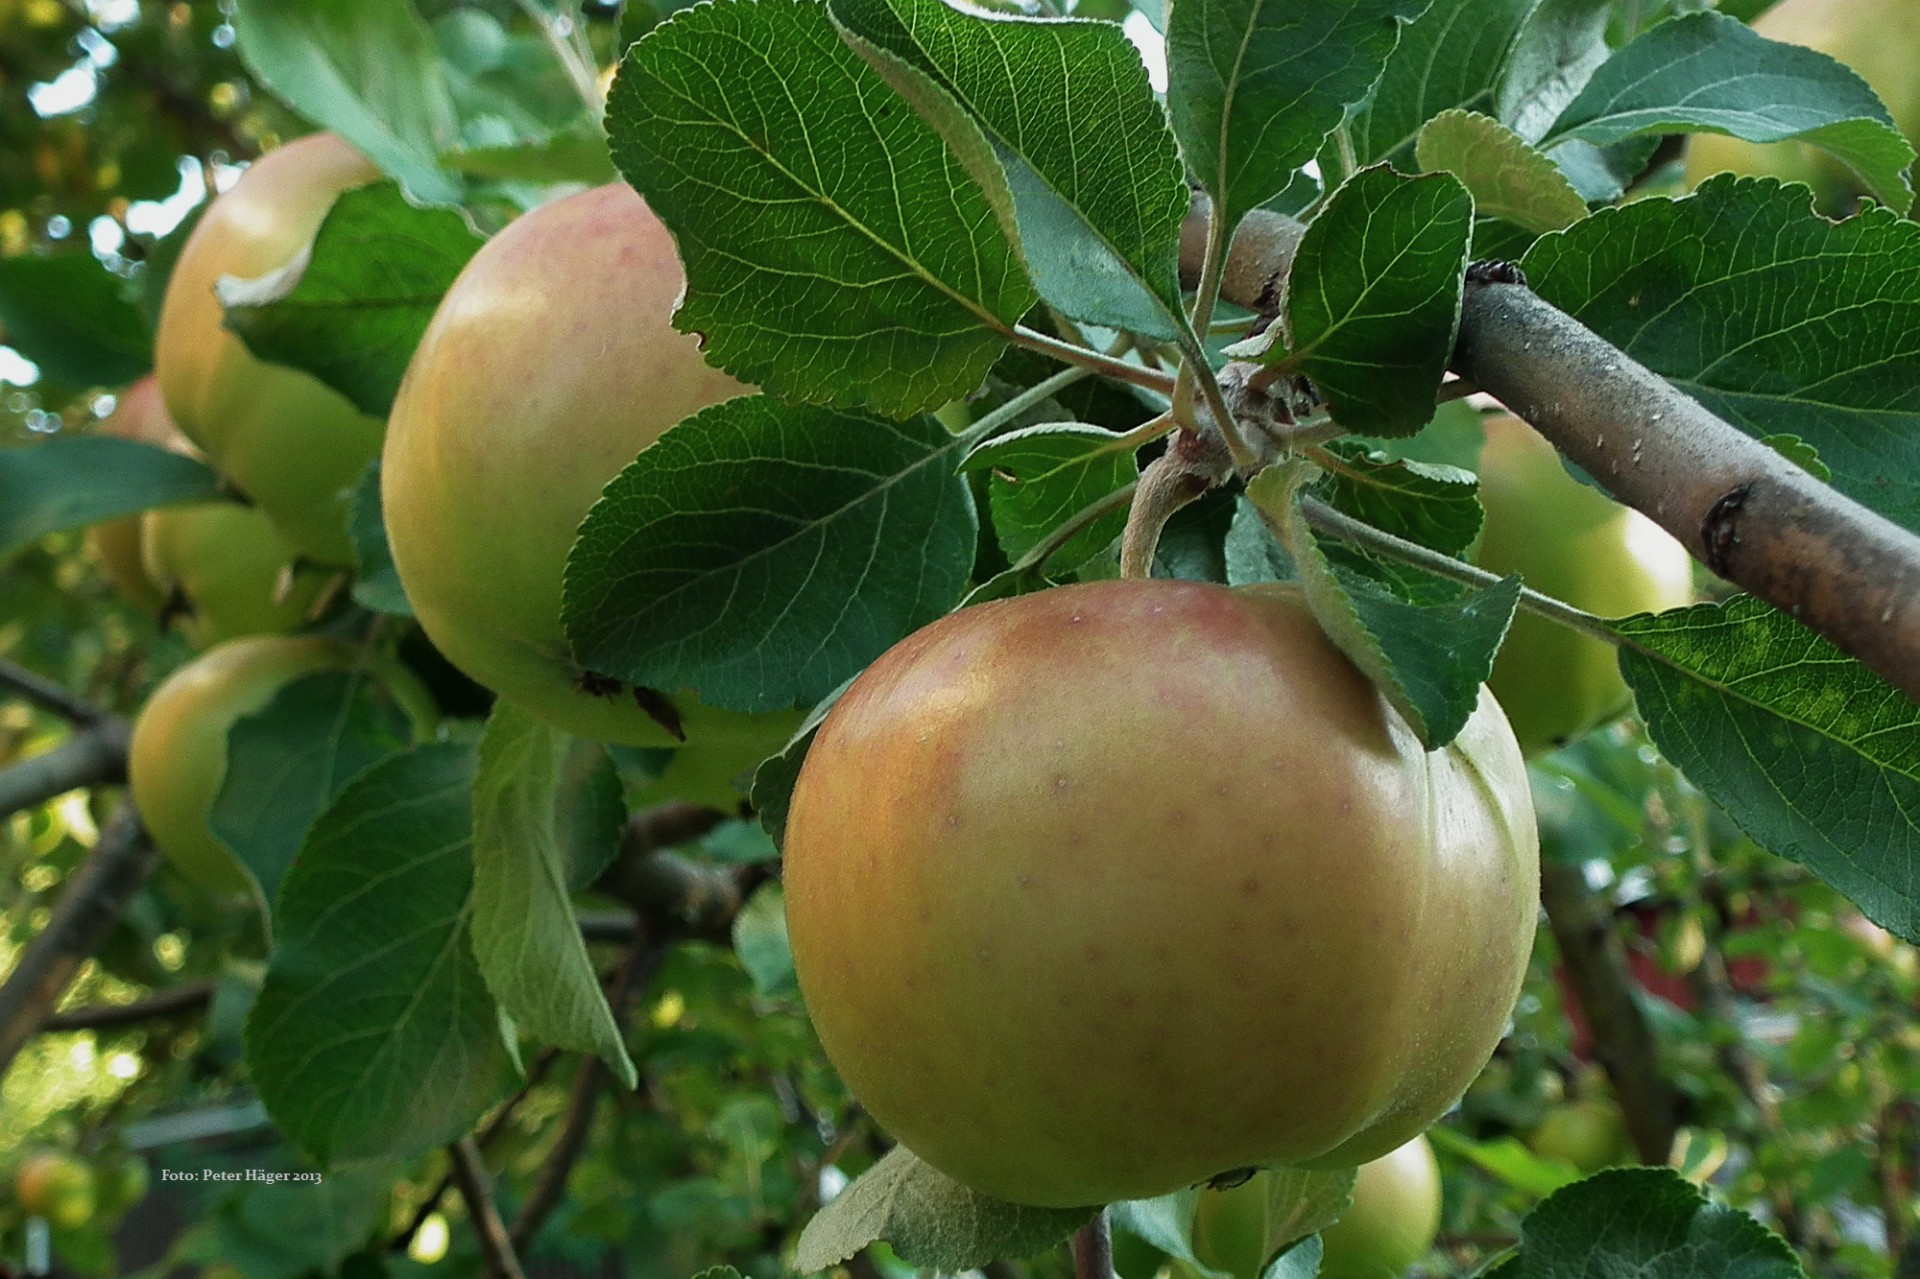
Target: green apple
549	365
179	754
1880	40
290	443
1393	1220
1590	1134
57	1187
1572	542
140	415
228	571
1103	891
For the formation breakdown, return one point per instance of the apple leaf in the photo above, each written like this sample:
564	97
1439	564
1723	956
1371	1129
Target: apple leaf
351	309
1507	178
1707	72
762	553
376	582
286	1229
1816	757
760	940
1451	56
1041	476
1372	303
525	936
1427	644
373	1033
836	248
1430	504
368	70
1255	87
1709	292
773	781
72	319
1507	1160
930	1220
1092	167
1647	1222
1562	44
71	481
288	760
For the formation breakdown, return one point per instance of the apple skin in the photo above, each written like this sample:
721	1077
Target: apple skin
290	443
57	1187
1574	543
1394	1218
178	757
1880	40
139	415
222	563
551	362
1101	892
1590	1134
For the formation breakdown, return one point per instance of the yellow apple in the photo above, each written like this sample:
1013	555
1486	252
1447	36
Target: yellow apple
228	571
139	415
290	443
1101	892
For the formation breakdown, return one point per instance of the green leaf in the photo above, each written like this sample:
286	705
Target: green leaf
73	320
836	249
1094	171
1650	1223
376	583
525	936
1433	505
1506	1159
368	70
773	781
1450	57
1562	44
288	760
1372	303
76	480
1428	650
761	553
1255	87
578	155
1507	178
1044	475
1711	293
760	940
373	1033
930	1219
1710	73
352	310
291	1230
1815	757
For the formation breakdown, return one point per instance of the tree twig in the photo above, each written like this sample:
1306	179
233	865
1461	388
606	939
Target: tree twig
1093	1249
48	695
1596	966
673	895
94	896
476	1188
94	756
1745	511
188	998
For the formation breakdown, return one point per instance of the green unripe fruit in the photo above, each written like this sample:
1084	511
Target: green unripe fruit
227	570
1035	881
1393	1220
289	442
1574	543
116	544
1589	1134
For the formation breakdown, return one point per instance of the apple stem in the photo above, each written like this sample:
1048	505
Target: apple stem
1093	1249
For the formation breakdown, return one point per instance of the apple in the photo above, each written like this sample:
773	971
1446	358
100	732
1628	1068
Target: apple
178	758
57	1187
549	365
1590	1134
123	1181
1393	1220
292	444
1572	542
140	415
228	571
1102	892
1880	40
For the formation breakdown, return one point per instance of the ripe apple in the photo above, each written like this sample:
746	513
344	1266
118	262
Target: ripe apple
1393	1220
224	566
1590	1134
550	364
179	753
286	440
57	1187
115	544
1101	892
1879	39
1574	543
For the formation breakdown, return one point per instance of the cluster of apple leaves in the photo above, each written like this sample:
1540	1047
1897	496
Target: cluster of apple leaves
875	200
